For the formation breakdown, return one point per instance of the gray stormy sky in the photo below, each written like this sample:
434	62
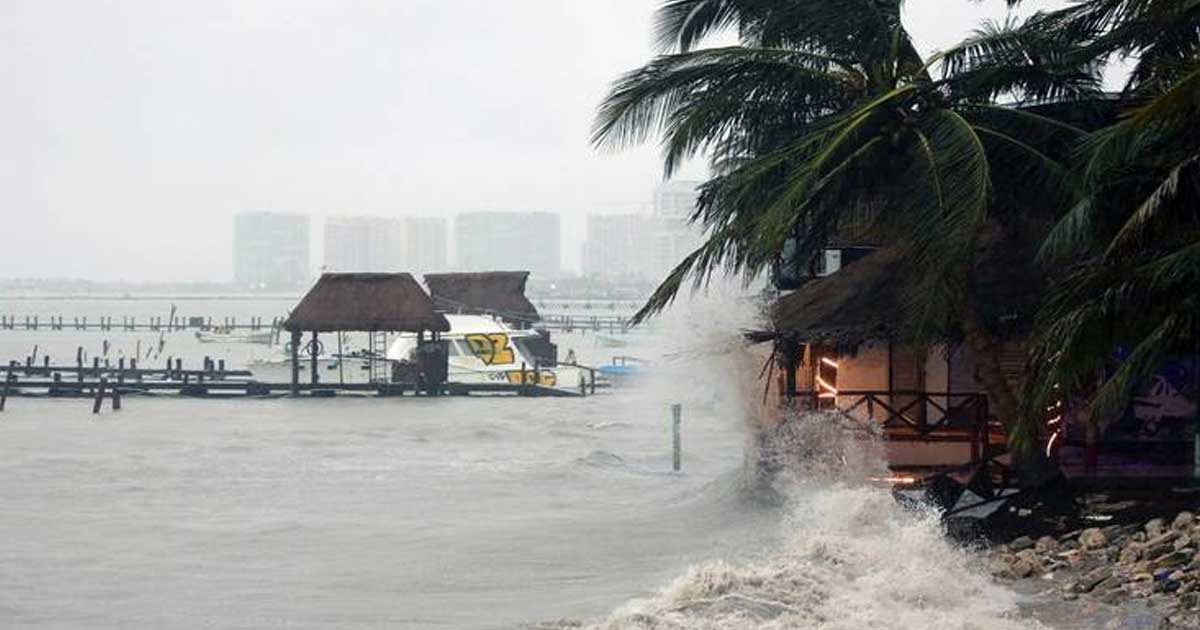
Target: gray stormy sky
133	131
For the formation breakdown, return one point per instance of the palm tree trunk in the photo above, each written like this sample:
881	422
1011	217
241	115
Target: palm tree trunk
1001	399
1033	468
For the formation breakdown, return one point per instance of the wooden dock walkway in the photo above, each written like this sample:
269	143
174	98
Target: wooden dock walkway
101	381
554	322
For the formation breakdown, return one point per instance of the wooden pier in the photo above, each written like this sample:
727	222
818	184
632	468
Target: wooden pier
554	322
113	380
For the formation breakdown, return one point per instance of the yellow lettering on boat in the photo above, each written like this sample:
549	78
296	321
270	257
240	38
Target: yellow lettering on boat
545	379
492	349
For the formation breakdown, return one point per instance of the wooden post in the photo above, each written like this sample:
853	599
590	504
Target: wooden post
116	393
593	378
313	352
79	363
4	390
296	362
99	395
342	359
677	449
524	386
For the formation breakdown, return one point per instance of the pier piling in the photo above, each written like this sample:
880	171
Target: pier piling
99	395
676	426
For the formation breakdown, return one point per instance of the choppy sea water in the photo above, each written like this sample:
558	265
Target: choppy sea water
473	513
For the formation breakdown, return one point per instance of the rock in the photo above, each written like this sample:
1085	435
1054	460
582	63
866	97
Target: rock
1169	560
1138	536
1021	544
1092	539
1069	594
1108	584
1154	527
1161	544
1182	520
1113	597
1089	581
1131	553
1001	563
1020	569
1046	545
1182	542
1034	560
1189	600
1177	576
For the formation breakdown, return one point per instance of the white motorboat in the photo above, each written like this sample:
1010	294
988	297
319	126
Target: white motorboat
485	350
480	349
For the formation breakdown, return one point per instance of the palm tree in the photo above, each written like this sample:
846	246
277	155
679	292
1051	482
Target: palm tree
824	120
1131	243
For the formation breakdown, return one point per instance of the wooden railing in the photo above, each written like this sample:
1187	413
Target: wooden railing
921	416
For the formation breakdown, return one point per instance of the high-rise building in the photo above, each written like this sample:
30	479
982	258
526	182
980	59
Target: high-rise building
358	243
508	241
676	199
424	245
674	236
270	250
413	244
618	247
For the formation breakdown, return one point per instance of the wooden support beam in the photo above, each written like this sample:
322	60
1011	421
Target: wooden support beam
296	337
312	351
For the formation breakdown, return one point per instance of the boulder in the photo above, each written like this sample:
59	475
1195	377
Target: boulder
1046	545
1021	569
1161	544
1092	538
1132	552
1021	544
1183	520
1114	596
1169	560
1088	581
1034	560
1154	527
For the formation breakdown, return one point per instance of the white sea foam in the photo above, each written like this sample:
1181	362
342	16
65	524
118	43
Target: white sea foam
853	559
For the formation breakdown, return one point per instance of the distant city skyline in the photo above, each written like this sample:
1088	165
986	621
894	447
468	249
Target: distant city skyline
135	131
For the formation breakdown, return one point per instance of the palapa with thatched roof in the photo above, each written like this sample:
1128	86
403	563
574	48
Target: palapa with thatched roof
498	292
858	303
364	302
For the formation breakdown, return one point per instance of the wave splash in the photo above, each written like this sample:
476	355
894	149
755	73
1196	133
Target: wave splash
853	558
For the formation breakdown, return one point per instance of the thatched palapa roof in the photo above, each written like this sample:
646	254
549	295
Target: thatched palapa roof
865	301
499	292
858	303
366	302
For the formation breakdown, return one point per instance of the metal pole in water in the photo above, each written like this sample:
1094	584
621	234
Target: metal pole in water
676	420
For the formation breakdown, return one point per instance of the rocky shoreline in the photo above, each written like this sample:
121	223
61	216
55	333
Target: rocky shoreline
1156	561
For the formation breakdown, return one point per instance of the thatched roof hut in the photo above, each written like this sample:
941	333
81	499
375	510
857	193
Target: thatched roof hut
499	292
864	300
366	302
858	303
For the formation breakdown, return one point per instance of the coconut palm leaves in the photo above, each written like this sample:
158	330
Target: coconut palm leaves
824	121
1134	243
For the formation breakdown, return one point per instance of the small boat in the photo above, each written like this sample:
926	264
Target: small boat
482	349
221	334
623	370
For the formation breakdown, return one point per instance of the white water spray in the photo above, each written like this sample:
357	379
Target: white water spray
852	557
